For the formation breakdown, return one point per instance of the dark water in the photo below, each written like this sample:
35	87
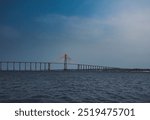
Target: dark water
74	87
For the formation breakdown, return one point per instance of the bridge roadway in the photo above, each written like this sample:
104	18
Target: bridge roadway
46	66
50	66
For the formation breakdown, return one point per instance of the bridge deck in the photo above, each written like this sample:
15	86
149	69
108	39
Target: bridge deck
48	66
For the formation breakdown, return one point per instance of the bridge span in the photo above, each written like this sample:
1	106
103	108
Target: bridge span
52	66
47	66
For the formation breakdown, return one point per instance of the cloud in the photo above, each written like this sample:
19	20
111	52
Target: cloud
122	37
72	26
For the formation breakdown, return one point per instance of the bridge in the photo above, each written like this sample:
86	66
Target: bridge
52	66
65	66
47	66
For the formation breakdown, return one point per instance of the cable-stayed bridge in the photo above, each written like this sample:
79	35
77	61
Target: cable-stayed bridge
65	66
52	66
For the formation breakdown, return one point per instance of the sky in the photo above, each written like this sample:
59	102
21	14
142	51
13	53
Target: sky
103	32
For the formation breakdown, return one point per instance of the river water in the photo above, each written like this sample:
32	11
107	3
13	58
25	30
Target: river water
75	86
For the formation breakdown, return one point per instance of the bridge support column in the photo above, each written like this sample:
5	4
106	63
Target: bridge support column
40	66
96	67
19	66
30	66
25	66
7	66
81	67
35	66
86	67
49	66
13	66
65	66
78	66
44	66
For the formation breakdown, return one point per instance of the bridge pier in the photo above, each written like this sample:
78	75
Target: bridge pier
13	66
25	64
83	67
89	67
44	66
19	66
49	66
86	67
92	67
98	68
30	64
95	67
7	65
35	66
40	66
78	66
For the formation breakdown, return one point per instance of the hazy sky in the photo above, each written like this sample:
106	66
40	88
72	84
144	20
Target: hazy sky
103	32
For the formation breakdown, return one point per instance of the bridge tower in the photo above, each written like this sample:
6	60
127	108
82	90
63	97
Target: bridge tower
66	58
65	61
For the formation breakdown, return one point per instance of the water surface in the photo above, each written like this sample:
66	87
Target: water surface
59	86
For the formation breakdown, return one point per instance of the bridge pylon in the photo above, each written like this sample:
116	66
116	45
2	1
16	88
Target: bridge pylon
66	58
